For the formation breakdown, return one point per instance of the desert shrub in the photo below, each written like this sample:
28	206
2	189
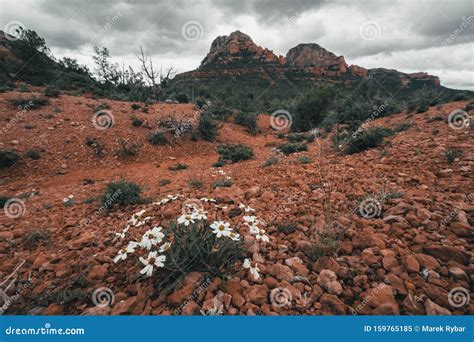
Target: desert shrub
35	236
286	228
313	108
121	193
127	149
135	106
435	118
422	107
272	160
452	154
218	163
23	88
249	120
96	145
52	92
8	158
207	128
182	98
325	245
3	200
157	138
136	122
300	137
339	138
196	248
177	167
305	160
290	148
402	126
368	138
33	154
200	102
102	106
234	152
195	183
164	182
30	103
222	183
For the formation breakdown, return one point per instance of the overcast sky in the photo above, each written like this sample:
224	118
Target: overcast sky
411	35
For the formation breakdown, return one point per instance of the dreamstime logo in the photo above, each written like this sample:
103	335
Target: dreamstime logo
370	208
12	30
14	208
102	297
103	119
458	297
192	30
191	205
280	297
281	119
458	119
370	30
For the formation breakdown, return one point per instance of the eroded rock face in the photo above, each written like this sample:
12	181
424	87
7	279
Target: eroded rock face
313	55
235	48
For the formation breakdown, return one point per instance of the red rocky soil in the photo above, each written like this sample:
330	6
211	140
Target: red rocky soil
403	262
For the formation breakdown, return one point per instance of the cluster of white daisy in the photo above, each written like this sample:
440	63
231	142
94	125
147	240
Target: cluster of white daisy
167	199
252	222
153	243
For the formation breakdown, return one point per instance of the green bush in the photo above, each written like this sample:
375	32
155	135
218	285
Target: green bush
272	160
249	120
8	158
368	138
135	106
3	200
402	126
195	183
234	152
127	149
196	248
136	122
182	98
177	167
452	154
290	148
52	92
33	154
30	103
313	108
300	137
207	128
121	193
157	138
222	183
305	160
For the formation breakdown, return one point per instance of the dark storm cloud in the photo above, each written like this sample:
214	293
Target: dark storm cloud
407	33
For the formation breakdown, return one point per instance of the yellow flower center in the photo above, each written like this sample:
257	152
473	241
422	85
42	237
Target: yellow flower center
221	227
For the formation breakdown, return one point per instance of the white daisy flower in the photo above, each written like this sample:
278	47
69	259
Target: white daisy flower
186	219
121	255
246	208
234	236
221	228
199	214
250	219
132	245
253	229
261	236
253	269
152	237
151	261
164	247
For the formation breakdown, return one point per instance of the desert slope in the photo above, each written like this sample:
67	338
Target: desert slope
406	260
